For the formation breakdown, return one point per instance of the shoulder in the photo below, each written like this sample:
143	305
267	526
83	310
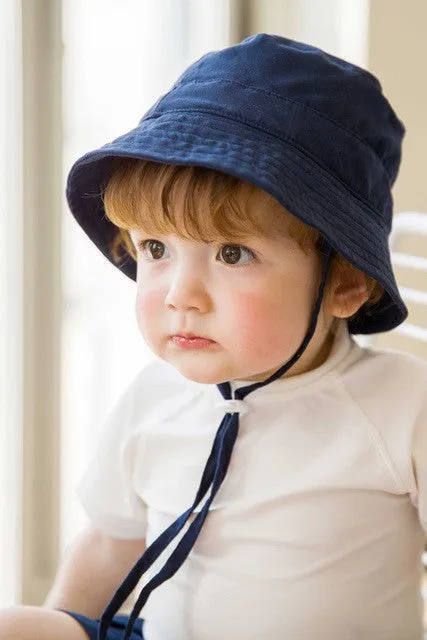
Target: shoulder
389	388
388	375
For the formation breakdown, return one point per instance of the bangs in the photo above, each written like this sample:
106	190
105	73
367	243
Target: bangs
193	203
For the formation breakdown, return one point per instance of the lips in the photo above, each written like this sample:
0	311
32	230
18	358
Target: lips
190	336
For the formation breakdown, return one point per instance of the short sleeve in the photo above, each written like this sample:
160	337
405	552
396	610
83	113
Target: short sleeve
106	488
419	458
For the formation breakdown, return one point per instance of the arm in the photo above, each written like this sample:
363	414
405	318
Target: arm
419	462
93	568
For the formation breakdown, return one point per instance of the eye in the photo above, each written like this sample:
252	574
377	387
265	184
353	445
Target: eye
154	246
232	253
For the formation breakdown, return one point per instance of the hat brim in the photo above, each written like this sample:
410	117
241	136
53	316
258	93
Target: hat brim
280	168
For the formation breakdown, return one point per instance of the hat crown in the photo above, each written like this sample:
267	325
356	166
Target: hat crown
284	70
270	62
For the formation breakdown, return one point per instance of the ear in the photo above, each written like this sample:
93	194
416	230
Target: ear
349	293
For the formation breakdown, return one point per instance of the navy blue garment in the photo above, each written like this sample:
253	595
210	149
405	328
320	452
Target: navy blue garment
116	630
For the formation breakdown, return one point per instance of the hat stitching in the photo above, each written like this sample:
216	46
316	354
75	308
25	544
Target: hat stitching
289	141
250	151
283	98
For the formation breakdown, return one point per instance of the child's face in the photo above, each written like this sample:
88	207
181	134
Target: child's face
254	299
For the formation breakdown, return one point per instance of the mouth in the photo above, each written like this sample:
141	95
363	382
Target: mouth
191	336
191	341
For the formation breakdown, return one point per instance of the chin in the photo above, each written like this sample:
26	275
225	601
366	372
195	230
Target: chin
201	375
204	378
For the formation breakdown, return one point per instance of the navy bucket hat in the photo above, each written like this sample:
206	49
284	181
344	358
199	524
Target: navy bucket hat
310	129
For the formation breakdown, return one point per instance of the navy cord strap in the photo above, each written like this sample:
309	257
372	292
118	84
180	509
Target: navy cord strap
213	476
153	552
186	544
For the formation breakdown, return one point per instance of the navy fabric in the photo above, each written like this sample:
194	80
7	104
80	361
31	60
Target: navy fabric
116	630
312	130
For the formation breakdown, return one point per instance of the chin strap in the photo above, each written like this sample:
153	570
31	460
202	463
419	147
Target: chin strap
213	475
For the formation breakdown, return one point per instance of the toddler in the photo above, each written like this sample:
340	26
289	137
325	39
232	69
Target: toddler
265	476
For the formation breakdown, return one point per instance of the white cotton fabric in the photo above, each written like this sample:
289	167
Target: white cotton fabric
318	528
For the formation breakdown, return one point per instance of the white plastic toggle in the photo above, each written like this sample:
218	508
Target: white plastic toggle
233	406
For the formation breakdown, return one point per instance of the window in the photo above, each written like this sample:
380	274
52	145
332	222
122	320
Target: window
11	313
118	59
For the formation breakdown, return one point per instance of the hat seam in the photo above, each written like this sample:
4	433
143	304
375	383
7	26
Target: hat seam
285	99
289	141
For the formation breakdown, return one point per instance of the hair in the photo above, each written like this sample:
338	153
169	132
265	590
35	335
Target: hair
170	199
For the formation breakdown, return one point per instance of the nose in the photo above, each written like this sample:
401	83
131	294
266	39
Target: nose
188	290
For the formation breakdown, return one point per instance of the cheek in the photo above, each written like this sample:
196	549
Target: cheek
147	309
270	323
249	313
256	317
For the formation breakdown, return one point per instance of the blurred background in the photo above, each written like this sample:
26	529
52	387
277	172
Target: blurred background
73	75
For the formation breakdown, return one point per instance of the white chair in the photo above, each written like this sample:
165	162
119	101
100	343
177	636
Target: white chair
408	246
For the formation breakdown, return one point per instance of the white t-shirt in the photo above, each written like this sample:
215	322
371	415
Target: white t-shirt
318	528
